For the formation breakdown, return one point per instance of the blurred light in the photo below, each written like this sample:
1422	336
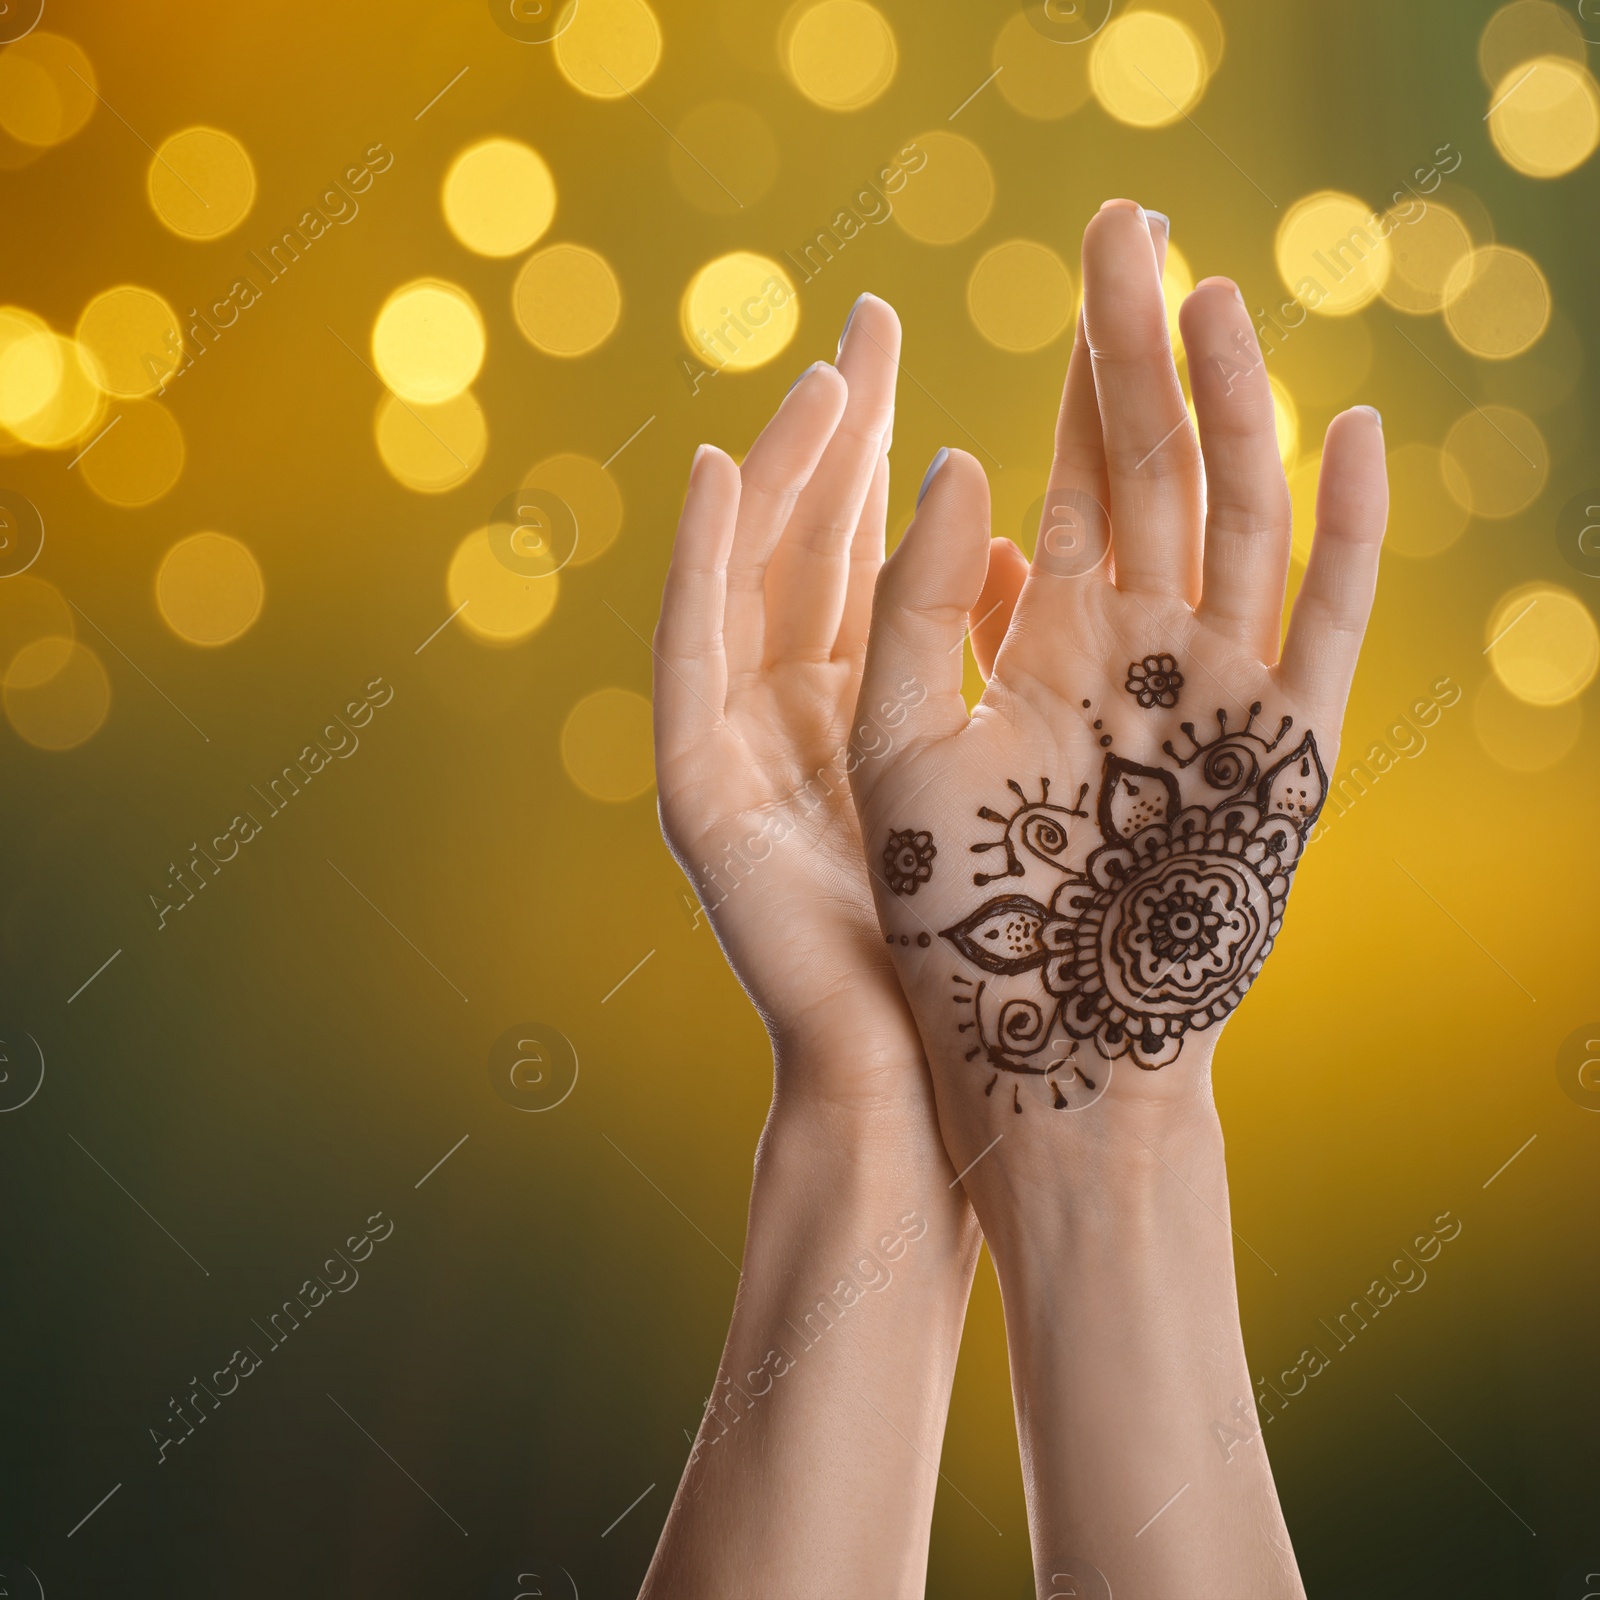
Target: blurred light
1423	254
1020	295
33	611
201	183
1523	737
1177	284
137	459
1285	420
1303	478
1427	513
1541	380
1497	461
590	493
1330	254
47	89
1197	16
1545	118
55	703
498	197
1519	32
431	448
1147	69
30	365
609	47
428	341
1497	302
840	54
722	157
1037	77
1325	361
739	311
566	300
606	745
497	605
76	408
949	197
134	337
1543	644
209	589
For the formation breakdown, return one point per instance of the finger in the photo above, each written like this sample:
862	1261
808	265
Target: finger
1335	600
808	577
991	615
866	560
690	668
1152	460
777	469
1247	496
919	614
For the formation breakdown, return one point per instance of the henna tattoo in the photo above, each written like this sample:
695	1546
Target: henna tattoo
1036	825
1169	918
908	860
1155	681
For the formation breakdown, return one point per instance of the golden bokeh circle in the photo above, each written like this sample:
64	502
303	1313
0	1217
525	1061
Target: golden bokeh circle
1177	284
1285	420
1330	253
201	183
1497	302
1545	118
33	611
1197	16
498	196
1523	737
30	365
948	198
1037	77
1147	69
209	589
428	341
590	493
1543	644
47	89
1428	498
739	311
1518	33
607	745
496	605
74	411
1423	254
840	54
1020	295
722	157
1497	461
609	48
55	701
138	458
135	338
566	300
431	449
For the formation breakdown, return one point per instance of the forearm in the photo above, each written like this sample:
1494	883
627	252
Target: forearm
816	1462
1130	1376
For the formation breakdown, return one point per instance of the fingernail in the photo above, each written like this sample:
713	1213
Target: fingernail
844	332
804	375
932	472
694	466
1162	218
1374	413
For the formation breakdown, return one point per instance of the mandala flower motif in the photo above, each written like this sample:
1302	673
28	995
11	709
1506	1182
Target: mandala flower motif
908	860
1155	681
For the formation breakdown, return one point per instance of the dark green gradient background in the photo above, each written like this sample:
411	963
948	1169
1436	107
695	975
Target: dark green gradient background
534	1341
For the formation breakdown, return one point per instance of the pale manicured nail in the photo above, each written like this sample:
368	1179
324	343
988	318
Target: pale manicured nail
844	332
932	472
804	375
1161	217
1374	413
694	466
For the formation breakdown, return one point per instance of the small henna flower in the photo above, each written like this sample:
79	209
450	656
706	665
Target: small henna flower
908	860
1155	681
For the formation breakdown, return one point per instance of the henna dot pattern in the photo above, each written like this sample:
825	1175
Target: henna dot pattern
1154	682
908	860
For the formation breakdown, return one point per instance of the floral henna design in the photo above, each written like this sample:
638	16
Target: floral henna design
1155	681
1036	825
1169	920
908	860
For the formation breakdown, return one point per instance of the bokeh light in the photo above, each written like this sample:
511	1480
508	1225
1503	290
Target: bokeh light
1020	296
202	183
1424	252
139	456
55	699
1147	69
498	196
33	611
1285	419
1177	284
1518	33
496	605
722	157
1427	511
1198	16
1496	302
1543	644
1545	118
1303	478
209	589
590	493
135	338
1331	254
566	300
739	311
30	365
840	54
609	47
1497	461
1523	737
431	449
47	89
428	341
951	195
76	408
606	745
1037	77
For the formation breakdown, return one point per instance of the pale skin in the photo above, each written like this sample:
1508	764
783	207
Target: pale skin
1109	1228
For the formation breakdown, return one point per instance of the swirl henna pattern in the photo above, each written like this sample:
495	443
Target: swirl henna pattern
1169	918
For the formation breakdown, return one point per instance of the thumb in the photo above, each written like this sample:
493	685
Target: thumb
919	613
